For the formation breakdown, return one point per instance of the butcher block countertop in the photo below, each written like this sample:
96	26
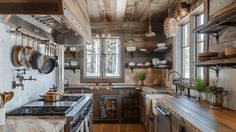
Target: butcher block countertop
199	116
33	124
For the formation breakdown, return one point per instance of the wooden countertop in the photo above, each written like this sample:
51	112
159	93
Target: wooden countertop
199	116
33	124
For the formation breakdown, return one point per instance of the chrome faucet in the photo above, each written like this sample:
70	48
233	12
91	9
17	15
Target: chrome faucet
180	80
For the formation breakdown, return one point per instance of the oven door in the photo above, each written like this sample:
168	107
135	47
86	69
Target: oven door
88	124
81	127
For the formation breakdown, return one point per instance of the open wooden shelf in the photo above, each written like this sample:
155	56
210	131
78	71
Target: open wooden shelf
217	24
217	65
148	52
168	66
220	62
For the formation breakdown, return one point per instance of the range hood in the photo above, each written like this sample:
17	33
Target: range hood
58	17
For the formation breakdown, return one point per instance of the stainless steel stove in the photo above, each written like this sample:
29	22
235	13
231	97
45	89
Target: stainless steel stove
76	108
40	111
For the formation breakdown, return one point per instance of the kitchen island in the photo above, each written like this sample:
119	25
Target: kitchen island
33	124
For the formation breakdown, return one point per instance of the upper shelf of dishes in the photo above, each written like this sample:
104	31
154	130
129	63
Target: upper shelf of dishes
161	48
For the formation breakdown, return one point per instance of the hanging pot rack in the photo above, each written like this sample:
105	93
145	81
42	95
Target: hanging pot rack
18	30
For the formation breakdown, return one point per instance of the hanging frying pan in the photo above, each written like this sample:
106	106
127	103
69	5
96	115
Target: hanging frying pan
15	53
18	55
30	54
49	62
37	59
22	54
170	25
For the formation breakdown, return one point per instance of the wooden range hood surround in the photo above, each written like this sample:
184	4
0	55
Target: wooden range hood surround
72	13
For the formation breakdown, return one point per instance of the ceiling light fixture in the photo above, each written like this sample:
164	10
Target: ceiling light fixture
150	33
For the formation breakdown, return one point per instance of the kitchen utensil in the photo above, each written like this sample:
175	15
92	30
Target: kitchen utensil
37	59
147	63
163	62
140	64
170	25
52	96
161	45
131	48
8	96
73	49
208	54
230	52
74	63
155	61
22	54
29	55
131	64
48	63
17	53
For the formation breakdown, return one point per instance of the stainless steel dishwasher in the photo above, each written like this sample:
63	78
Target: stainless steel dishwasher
164	119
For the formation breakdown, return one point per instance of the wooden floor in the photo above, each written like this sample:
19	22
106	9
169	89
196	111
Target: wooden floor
118	128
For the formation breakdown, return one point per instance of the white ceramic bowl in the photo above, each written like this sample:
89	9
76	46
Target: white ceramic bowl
160	45
163	62
131	64
155	61
147	63
73	49
73	63
140	64
131	48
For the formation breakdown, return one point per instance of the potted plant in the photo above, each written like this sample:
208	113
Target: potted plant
216	96
199	86
142	76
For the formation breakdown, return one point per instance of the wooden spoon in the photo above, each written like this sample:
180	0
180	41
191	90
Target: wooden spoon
1	100
8	96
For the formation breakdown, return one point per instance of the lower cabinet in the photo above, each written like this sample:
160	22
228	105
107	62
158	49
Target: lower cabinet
119	105
179	125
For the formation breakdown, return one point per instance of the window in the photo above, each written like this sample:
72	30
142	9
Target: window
185	51
199	43
102	60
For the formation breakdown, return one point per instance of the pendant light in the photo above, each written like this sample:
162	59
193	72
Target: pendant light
150	33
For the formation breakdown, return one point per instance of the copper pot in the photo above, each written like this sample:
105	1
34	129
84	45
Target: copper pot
52	96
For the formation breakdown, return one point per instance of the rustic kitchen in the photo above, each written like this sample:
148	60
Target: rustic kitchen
117	65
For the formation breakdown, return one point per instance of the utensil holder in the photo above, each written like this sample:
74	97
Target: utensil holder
2	116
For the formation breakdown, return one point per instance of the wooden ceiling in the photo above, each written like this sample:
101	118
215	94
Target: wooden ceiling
127	10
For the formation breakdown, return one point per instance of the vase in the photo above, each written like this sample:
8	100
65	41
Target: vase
198	96
2	116
141	83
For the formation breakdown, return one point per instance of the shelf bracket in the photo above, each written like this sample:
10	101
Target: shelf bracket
216	69
216	35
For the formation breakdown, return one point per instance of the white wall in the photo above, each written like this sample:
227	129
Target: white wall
32	89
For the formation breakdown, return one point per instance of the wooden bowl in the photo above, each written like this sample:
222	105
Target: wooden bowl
230	52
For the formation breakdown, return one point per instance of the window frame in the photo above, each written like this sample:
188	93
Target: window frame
184	47
102	78
178	52
197	43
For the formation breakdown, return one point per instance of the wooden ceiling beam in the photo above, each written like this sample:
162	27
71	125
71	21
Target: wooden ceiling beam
120	9
101	8
93	10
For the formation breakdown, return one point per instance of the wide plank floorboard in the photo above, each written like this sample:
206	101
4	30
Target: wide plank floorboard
118	128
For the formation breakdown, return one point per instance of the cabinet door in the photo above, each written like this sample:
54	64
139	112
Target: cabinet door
178	125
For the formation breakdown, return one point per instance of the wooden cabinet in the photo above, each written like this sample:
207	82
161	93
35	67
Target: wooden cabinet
179	125
127	108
